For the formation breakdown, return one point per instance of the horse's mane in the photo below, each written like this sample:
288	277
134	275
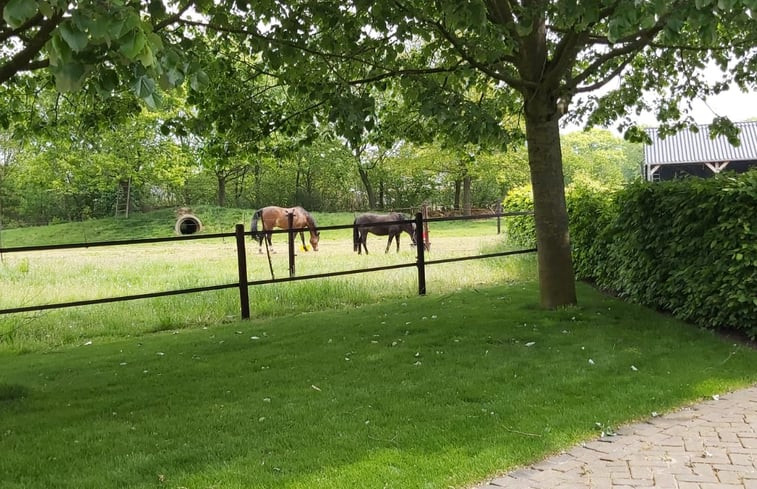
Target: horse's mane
310	219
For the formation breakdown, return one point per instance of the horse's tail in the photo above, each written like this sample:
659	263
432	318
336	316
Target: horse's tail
355	237
254	233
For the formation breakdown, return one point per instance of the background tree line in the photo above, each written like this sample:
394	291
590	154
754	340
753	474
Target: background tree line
79	173
244	138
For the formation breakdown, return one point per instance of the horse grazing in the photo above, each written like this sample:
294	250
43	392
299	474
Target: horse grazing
380	225
277	217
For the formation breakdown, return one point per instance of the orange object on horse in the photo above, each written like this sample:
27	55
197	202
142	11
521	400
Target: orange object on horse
278	217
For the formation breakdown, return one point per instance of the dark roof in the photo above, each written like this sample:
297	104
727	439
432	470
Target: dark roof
690	147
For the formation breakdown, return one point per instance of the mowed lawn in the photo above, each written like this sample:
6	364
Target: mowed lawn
416	392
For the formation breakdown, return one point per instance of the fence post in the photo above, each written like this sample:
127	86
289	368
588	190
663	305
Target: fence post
426	241
290	220
421	250
244	297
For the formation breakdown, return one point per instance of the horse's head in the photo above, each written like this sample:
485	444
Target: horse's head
314	237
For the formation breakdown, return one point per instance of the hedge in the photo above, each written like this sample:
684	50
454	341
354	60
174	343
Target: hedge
686	246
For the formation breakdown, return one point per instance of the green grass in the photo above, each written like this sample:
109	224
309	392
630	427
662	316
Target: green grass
337	383
58	276
437	391
160	223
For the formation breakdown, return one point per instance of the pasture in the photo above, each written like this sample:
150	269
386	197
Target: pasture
55	276
335	383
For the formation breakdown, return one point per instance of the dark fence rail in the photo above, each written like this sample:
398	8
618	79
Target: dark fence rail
244	283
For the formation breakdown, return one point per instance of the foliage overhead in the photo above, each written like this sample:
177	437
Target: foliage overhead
106	46
439	53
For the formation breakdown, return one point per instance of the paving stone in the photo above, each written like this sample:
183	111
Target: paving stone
710	445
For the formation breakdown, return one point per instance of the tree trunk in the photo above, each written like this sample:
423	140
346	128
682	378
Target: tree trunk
221	189
368	188
456	204
257	184
556	280
381	201
467	195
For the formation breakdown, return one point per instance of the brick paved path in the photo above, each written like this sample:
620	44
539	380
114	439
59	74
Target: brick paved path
711	445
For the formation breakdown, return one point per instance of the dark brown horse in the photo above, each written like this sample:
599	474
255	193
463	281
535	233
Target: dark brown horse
278	217
380	225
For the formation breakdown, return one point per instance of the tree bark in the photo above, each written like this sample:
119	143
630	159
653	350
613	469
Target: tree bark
381	198
221	190
370	192
456	204
257	184
556	280
467	197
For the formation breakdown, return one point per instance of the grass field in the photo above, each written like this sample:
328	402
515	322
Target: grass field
57	276
336	383
437	391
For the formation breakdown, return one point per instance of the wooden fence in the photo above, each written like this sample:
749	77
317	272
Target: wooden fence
243	284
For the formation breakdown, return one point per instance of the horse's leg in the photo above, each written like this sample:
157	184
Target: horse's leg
268	236
397	239
364	241
302	237
388	243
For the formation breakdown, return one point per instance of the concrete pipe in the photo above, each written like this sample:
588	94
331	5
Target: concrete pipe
188	224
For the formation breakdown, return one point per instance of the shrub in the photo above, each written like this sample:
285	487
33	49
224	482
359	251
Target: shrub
685	246
519	230
590	209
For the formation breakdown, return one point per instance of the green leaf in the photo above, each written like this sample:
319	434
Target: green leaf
143	87
146	57
523	29
46	9
76	39
16	12
132	44
58	50
109	80
69	76
156	8
199	80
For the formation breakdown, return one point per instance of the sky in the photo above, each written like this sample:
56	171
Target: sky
733	103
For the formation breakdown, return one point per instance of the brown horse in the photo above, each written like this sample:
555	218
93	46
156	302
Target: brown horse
380	225
278	217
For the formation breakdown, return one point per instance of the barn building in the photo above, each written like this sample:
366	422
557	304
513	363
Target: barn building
694	153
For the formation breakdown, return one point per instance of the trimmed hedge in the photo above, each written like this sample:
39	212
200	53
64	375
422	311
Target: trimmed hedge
519	230
685	246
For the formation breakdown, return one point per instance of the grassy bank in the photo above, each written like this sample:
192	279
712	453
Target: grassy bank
435	391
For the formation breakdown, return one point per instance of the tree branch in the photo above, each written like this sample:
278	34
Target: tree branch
642	39
22	61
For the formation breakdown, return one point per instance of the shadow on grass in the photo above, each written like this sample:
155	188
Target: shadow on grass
424	392
10	392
